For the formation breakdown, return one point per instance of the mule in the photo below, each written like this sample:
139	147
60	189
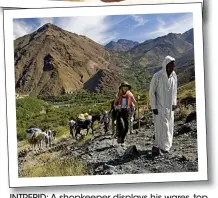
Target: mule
49	139
36	138
82	124
86	124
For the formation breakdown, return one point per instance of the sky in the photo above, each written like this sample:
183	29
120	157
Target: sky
104	29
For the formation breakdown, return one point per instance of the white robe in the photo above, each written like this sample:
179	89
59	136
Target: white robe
163	94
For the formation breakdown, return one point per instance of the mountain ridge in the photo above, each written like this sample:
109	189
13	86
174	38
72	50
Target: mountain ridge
122	45
51	61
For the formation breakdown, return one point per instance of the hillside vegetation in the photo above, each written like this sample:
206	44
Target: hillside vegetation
56	112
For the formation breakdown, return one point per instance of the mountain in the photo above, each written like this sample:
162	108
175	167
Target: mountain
51	61
153	51
189	36
186	58
146	58
104	81
121	45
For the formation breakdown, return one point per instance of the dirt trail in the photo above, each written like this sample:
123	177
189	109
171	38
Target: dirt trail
104	156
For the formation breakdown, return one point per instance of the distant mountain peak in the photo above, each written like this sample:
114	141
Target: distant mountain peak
122	45
124	40
190	30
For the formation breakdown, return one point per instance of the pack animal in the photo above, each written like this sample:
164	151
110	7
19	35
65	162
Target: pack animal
36	138
86	124
49	139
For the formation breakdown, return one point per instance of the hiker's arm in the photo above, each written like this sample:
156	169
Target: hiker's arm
134	100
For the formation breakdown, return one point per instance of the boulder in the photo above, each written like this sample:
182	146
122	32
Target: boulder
186	128
131	151
191	117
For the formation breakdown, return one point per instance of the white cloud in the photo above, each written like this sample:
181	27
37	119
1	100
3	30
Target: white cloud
161	21
179	25
21	28
140	21
95	27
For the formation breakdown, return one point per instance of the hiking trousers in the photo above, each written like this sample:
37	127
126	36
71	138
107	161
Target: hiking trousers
124	115
113	119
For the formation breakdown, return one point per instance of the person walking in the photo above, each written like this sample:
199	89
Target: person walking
163	101
105	119
124	101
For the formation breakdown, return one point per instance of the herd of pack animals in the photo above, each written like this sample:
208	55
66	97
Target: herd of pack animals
38	138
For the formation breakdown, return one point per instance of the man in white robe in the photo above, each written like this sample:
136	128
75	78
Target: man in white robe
163	101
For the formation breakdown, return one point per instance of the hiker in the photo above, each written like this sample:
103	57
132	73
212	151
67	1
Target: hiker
95	118
88	121
124	101
72	125
106	121
113	114
163	101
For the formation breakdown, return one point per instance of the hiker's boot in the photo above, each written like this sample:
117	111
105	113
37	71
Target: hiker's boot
119	140
155	151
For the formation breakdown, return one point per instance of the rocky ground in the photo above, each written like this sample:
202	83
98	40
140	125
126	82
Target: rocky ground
104	156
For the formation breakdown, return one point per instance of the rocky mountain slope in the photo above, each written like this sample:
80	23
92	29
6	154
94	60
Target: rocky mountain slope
189	36
121	45
152	52
146	58
104	81
51	61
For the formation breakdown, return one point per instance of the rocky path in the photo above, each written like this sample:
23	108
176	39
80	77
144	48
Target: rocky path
104	156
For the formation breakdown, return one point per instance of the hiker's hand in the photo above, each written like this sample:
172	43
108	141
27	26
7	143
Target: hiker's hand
174	107
155	111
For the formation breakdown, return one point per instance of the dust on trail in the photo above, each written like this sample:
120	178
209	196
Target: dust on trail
104	156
